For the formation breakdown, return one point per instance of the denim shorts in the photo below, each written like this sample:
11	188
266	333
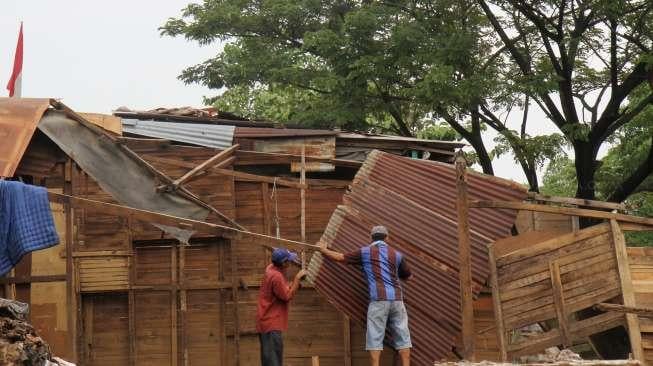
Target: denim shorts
392	313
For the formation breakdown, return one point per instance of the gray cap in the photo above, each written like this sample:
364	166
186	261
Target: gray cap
380	230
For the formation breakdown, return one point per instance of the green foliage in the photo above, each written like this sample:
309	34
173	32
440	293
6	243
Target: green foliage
535	149
335	63
560	178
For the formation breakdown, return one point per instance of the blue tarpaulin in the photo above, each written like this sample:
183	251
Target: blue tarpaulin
26	222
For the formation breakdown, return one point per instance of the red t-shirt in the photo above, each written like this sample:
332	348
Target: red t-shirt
273	298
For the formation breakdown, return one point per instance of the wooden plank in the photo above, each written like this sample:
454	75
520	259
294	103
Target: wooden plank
103	253
464	253
634	332
553	244
562	210
579	330
498	313
559	302
640	311
221	156
577	201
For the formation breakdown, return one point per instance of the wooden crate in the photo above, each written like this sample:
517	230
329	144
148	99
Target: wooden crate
553	279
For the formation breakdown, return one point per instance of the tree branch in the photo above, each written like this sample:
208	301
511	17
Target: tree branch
627	116
630	184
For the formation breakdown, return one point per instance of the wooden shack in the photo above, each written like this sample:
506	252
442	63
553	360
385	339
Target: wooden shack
119	291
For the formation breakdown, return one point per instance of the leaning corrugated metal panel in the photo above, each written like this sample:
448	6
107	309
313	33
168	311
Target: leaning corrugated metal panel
209	135
416	200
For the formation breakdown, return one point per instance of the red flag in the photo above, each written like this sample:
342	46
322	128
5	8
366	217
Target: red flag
15	82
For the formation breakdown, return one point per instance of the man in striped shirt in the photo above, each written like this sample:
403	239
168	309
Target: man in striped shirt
383	267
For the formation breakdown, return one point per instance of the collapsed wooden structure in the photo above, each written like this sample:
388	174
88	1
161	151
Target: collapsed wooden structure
121	291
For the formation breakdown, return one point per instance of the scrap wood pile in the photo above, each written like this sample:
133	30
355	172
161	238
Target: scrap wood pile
551	357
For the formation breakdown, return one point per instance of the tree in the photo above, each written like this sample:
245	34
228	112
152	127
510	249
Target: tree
555	47
394	66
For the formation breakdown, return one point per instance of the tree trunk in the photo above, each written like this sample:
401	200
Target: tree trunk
483	157
630	184
585	169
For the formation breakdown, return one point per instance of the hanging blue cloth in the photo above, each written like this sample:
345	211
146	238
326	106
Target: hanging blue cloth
26	222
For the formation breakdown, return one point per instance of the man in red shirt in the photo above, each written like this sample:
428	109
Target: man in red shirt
272	309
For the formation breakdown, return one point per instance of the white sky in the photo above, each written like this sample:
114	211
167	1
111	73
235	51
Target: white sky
100	55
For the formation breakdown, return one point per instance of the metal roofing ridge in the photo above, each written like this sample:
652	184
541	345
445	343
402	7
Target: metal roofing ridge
491	178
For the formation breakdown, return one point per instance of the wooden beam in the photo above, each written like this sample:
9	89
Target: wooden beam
640	311
183	301
171	187
302	199
562	210
496	302
465	261
71	296
248	177
24	280
217	158
559	302
181	191
188	224
577	201
628	293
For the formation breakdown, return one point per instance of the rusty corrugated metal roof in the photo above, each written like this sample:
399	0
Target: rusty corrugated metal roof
416	200
18	120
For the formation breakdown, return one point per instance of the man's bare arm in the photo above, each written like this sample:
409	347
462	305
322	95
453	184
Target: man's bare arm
332	254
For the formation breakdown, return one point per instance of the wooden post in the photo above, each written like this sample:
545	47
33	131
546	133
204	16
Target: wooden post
315	361
634	331
221	306
346	339
302	181
71	297
234	296
132	279
465	261
496	301
173	305
559	302
183	305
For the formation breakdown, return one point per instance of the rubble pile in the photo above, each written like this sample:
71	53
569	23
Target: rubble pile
19	342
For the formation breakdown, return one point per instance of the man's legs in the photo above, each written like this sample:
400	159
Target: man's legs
398	323
271	348
377	316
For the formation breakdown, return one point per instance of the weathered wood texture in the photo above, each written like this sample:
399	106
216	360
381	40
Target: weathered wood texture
199	326
553	278
641	269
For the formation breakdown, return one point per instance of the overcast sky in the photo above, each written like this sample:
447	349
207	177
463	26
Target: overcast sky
99	55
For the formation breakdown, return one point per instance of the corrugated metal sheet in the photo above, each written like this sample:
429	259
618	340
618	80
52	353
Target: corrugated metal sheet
257	132
18	120
210	135
416	200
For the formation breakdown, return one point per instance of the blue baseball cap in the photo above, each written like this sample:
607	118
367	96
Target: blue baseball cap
281	255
